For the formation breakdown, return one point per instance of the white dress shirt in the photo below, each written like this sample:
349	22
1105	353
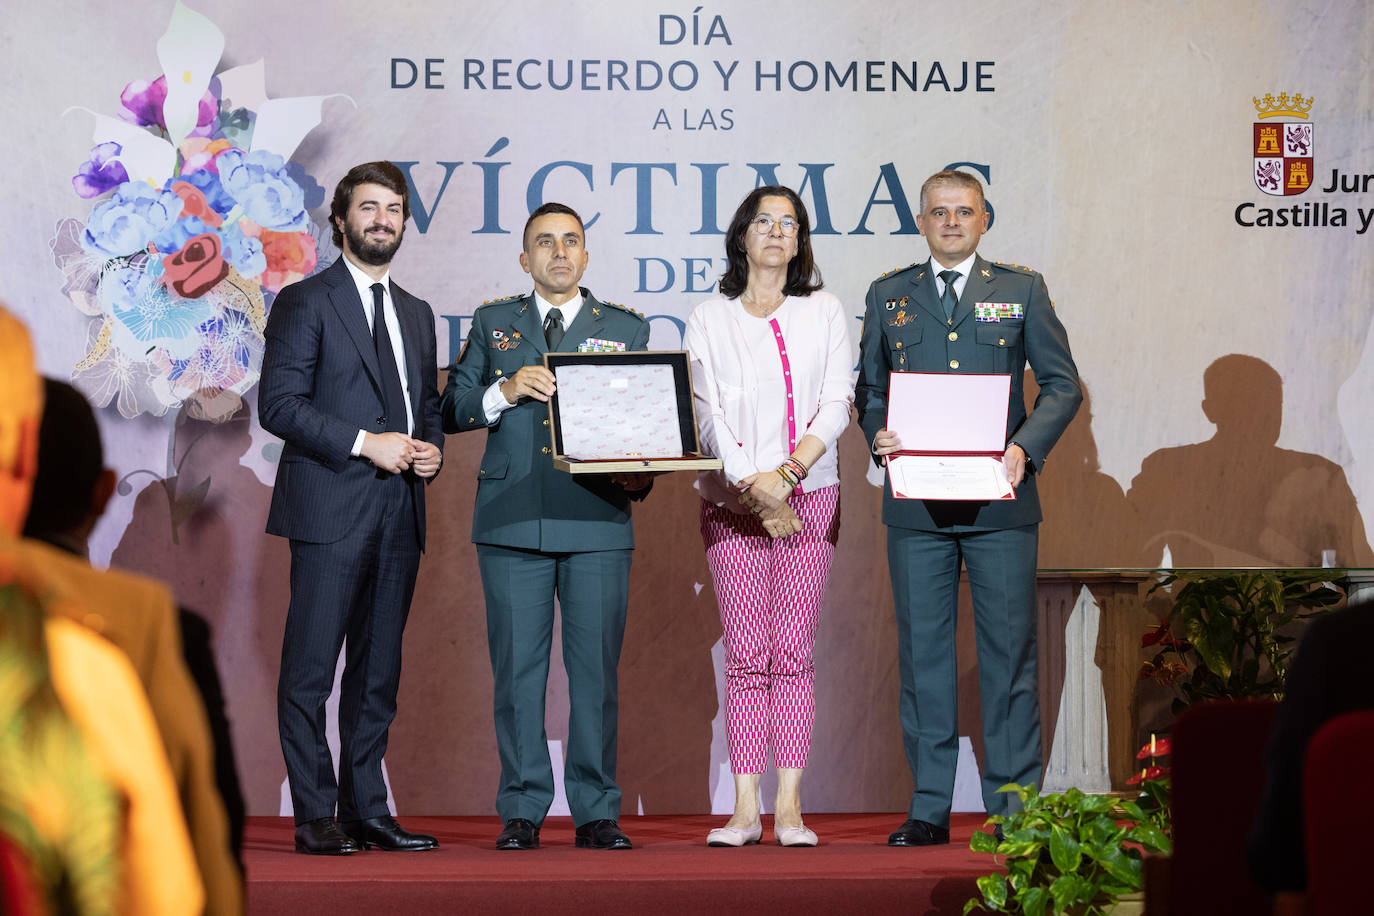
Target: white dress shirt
740	389
393	330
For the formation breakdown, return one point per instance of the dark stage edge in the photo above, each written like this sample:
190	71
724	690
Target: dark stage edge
671	870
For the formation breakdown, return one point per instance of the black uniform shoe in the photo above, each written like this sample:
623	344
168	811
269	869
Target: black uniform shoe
602	834
918	833
519	834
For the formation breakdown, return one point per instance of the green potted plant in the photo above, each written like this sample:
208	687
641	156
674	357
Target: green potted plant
1225	635
1072	852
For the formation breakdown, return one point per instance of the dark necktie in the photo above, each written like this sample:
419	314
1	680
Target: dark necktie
553	329
948	299
392	397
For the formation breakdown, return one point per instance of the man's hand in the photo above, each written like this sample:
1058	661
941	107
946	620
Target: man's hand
637	481
425	458
391	452
529	382
885	442
1015	462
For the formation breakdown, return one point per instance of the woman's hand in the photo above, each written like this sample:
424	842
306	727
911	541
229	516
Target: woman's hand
767	482
777	516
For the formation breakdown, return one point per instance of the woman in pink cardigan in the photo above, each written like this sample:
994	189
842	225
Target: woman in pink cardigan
772	370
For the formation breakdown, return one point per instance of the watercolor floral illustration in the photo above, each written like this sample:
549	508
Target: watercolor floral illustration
199	219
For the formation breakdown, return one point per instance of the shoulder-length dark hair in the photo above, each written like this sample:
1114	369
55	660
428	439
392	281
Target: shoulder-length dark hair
803	277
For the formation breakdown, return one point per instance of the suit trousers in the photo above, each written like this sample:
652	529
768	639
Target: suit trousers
924	566
357	587
593	590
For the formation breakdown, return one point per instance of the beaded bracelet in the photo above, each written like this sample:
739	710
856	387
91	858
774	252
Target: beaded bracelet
788	475
799	469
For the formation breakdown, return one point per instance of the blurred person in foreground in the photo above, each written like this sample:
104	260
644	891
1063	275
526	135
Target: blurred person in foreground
98	688
139	615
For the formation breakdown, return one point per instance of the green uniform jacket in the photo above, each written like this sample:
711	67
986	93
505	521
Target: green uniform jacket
905	330
522	500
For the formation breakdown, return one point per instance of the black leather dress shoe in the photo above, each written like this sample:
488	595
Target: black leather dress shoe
998	834
384	833
322	837
602	834
914	832
519	834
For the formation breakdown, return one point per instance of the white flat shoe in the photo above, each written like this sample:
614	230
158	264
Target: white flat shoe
795	836
734	836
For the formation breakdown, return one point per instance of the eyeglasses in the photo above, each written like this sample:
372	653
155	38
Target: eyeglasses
764	225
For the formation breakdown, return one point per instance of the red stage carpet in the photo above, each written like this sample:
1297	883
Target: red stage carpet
670	870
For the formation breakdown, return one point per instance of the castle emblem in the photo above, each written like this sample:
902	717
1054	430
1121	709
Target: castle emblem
1282	150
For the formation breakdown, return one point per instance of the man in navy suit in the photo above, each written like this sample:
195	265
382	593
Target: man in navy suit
957	313
349	380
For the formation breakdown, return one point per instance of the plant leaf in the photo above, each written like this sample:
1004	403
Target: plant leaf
994	890
1064	851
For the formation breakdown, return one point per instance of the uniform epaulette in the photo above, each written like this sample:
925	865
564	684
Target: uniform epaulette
896	270
623	308
498	300
1016	267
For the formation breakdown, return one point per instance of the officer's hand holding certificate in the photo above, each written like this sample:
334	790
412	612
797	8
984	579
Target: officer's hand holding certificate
952	431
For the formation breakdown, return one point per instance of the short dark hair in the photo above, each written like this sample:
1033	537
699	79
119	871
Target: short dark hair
545	209
70	460
803	277
952	177
382	173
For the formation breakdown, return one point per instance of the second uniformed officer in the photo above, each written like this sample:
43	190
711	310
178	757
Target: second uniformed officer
959	313
540	531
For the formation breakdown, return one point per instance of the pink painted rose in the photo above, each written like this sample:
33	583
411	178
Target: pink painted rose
197	267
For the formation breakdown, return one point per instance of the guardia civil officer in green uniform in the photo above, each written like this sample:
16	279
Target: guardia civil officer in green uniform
957	312
540	531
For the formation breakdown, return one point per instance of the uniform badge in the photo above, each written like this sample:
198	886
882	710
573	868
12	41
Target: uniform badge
987	274
891	304
501	341
900	320
597	345
998	311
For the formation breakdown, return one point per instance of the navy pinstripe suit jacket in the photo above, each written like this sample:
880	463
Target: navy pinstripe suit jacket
320	385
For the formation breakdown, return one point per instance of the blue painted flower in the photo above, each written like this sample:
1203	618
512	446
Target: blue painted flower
208	183
174	237
146	316
259	181
243	251
101	172
128	221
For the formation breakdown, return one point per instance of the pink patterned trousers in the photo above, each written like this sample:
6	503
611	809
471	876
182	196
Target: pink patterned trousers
770	594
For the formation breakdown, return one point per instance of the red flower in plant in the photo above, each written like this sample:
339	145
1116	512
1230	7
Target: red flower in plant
1147	774
1159	747
197	267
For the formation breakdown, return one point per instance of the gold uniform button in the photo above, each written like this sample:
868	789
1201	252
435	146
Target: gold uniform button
899	345
954	364
546	422
498	371
482	473
953	335
1001	341
545	450
472	419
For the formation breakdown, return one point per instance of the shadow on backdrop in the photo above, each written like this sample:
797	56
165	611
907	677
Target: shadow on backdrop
1240	500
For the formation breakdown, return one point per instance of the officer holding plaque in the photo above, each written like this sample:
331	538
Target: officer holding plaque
542	532
957	313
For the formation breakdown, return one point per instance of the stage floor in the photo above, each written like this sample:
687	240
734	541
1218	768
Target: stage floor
670	870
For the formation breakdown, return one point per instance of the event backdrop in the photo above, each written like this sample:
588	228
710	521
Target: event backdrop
1195	181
